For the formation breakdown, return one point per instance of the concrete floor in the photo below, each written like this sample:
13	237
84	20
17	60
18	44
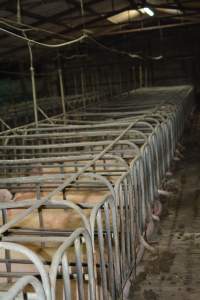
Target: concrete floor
173	271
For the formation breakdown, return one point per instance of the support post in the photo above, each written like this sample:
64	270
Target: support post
134	80
140	76
146	76
32	70
83	88
19	18
34	95
62	93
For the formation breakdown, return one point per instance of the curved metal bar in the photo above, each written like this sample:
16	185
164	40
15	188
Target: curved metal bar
35	260
60	257
123	220
19	286
105	213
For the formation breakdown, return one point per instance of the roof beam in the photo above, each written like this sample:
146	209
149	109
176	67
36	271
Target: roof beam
149	28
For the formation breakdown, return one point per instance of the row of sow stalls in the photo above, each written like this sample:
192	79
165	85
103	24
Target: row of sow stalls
84	196
21	113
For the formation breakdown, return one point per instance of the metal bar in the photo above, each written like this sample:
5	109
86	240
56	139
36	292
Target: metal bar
62	93
21	283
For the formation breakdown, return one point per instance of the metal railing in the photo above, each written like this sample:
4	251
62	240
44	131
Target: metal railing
123	162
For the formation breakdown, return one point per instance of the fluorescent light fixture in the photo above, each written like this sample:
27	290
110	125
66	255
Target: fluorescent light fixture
170	11
147	10
124	17
130	15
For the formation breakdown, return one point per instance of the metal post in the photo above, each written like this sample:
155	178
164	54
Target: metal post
120	81
128	80
93	82
146	75
32	81
34	95
19	18
110	83
76	90
62	93
83	89
150	75
140	76
134	83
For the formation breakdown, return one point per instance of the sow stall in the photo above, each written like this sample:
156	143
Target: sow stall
113	188
22	113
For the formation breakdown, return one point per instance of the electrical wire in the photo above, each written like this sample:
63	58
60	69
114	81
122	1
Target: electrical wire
131	55
79	39
74	56
113	49
31	41
12	24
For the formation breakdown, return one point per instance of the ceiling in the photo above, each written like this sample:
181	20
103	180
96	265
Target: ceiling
58	21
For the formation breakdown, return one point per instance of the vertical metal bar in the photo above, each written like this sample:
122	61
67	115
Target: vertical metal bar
62	93
134	78
19	18
110	83
66	277
7	252
62	169
79	269
127	219
83	88
34	95
111	276
120	81
150	74
146	76
128	81
122	228
140	76
102	257
40	215
32	81
98	88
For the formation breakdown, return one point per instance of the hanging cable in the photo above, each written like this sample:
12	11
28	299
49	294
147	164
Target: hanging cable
13	26
131	55
33	82
73	56
12	23
79	39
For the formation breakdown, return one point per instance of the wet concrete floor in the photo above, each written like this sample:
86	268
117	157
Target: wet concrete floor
173	271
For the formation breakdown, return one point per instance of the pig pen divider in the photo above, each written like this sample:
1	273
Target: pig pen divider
134	194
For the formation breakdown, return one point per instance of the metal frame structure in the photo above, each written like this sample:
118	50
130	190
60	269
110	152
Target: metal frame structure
126	150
